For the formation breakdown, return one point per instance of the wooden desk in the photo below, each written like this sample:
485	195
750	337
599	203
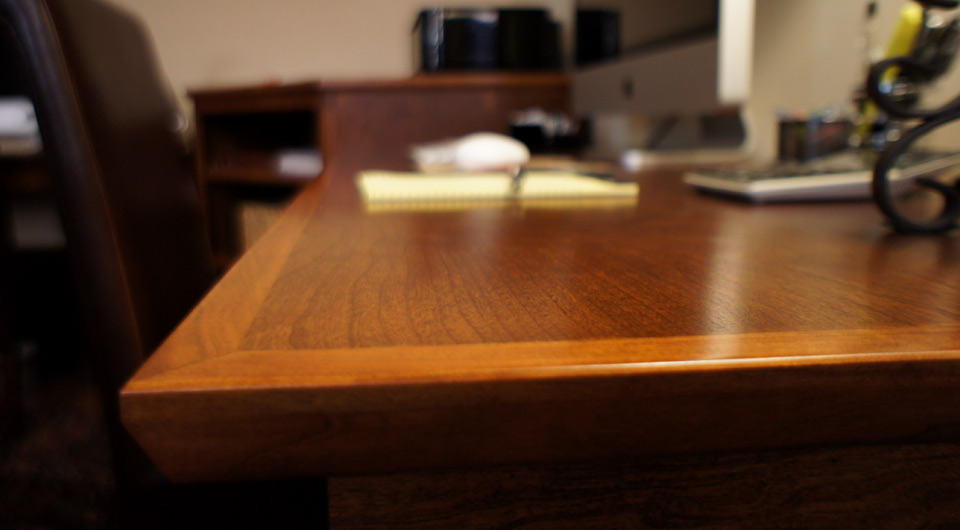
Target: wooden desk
354	343
241	130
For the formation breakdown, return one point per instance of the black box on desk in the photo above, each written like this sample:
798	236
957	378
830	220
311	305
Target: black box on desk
486	39
805	138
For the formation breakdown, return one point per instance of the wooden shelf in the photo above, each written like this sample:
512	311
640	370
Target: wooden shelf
264	176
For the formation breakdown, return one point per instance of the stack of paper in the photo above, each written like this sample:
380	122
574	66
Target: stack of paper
299	163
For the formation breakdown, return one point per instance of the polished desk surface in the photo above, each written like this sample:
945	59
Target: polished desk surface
354	342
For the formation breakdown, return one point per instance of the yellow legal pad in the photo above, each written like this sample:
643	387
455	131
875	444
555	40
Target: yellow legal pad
401	190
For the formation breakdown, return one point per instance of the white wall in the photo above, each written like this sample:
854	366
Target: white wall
223	42
811	54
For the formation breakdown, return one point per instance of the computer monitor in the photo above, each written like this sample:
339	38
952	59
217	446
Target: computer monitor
673	63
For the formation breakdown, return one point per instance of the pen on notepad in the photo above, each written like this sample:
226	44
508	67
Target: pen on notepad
517	176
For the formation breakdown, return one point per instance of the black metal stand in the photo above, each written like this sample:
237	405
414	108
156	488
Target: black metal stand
930	119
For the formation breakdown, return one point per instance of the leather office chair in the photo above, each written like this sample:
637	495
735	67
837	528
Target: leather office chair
11	399
133	223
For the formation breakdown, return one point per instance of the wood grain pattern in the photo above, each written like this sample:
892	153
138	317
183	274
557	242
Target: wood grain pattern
351	342
851	488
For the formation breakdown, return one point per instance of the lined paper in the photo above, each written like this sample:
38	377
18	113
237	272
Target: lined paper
396	187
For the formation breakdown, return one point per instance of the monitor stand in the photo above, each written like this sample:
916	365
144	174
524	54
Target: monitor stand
721	138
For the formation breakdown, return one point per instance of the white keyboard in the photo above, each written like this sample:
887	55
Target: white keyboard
845	176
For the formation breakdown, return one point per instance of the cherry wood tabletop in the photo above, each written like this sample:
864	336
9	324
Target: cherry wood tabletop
350	341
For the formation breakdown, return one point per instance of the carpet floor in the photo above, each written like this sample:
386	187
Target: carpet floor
55	469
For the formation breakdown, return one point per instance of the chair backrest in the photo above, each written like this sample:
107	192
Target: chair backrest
131	211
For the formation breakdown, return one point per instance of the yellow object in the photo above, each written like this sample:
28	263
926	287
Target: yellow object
399	190
905	36
901	43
